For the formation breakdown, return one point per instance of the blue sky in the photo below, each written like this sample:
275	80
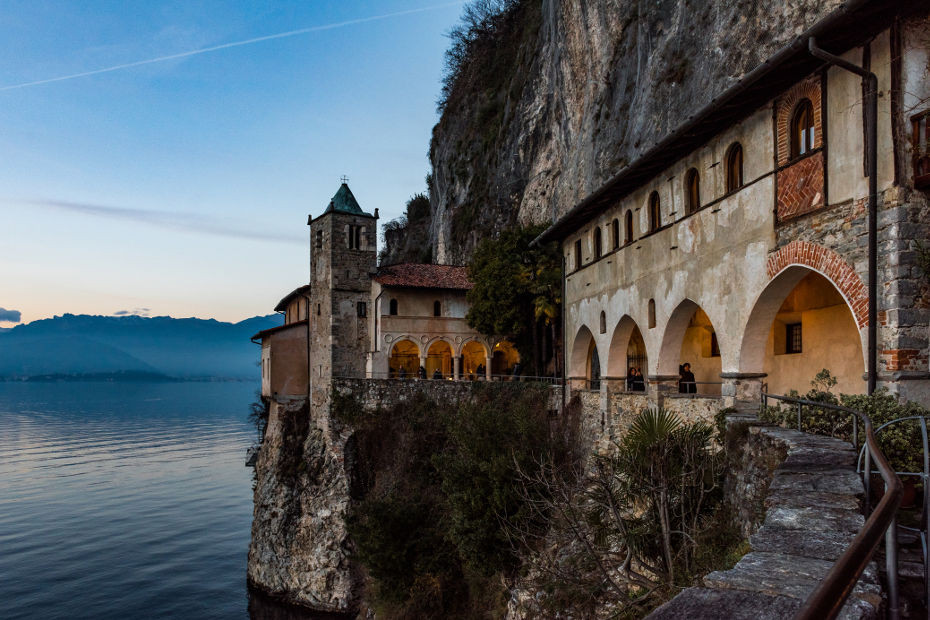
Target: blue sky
181	187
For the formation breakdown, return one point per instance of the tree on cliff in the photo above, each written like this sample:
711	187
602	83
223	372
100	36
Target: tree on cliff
518	293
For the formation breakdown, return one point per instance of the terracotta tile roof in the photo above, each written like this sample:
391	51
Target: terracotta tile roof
415	275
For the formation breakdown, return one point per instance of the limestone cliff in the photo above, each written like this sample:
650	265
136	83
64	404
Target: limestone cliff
570	92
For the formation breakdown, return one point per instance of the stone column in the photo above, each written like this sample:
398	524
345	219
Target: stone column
423	364
456	367
742	387
657	386
487	368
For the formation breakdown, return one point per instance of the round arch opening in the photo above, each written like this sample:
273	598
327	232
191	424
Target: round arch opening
404	360
690	339
504	357
800	325
439	360
474	360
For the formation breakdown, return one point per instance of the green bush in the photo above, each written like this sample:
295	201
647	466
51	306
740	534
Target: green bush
434	483
901	442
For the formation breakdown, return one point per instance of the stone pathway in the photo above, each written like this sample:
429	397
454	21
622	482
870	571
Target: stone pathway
812	514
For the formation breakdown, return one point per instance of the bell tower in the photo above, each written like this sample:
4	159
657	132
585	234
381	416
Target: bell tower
343	254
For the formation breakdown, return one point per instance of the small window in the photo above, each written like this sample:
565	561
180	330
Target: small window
361	308
392	307
603	322
734	167
318	309
355	237
578	254
802	128
319	239
598	250
629	227
693	190
652	313
655	213
793	338
714	345
437	308
615	230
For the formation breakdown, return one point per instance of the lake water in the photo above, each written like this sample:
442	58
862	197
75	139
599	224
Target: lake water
126	500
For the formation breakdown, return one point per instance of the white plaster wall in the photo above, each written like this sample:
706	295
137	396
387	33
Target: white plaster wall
845	135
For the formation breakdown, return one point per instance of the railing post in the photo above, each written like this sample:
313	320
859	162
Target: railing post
799	417
867	479
855	431
891	566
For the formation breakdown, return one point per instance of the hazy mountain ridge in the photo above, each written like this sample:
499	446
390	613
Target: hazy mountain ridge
73	345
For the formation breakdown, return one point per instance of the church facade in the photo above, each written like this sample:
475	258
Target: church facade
356	320
740	243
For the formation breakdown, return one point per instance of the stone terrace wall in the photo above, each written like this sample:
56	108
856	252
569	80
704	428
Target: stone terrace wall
389	392
812	513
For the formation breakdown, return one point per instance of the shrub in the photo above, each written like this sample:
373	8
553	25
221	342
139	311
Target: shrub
434	482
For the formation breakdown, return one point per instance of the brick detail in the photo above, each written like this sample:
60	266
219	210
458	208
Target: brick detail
831	265
784	110
800	188
904	359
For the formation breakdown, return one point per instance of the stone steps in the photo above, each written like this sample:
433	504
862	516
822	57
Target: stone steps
813	512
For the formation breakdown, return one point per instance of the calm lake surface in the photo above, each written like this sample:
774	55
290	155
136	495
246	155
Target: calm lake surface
126	500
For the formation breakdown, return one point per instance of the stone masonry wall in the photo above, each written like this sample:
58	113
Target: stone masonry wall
812	513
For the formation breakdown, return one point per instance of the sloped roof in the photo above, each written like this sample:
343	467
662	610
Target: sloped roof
300	290
418	275
853	23
344	202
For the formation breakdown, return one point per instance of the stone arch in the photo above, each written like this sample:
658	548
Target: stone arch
461	348
753	350
404	357
474	355
619	344
830	265
435	339
578	363
673	339
439	358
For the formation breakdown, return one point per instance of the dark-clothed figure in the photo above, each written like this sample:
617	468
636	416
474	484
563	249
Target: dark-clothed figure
421	372
480	371
631	380
639	383
437	374
403	373
686	383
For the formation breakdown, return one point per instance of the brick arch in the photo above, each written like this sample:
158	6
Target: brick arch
831	265
784	109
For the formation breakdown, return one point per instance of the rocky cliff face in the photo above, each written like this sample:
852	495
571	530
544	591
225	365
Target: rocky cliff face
570	92
299	548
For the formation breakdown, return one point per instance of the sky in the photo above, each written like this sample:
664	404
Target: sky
161	158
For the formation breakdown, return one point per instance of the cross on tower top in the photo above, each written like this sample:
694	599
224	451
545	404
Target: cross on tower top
344	179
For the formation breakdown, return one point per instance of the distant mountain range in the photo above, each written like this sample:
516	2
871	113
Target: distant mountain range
80	347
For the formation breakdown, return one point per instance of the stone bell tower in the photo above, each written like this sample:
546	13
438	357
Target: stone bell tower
343	254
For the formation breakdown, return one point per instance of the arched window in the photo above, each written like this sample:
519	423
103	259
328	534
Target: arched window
802	128
437	308
603	322
615	229
393	308
629	227
577	253
652	313
655	215
734	167
693	190
597	242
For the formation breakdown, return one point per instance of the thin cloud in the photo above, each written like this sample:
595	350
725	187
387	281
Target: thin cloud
10	316
143	312
171	220
216	48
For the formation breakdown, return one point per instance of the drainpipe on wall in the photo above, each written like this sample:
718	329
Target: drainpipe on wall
870	109
564	334
309	374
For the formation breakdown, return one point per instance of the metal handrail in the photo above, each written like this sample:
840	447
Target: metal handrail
828	598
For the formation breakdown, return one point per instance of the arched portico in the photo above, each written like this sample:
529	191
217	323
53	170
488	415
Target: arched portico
801	323
580	362
405	358
627	348
690	337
